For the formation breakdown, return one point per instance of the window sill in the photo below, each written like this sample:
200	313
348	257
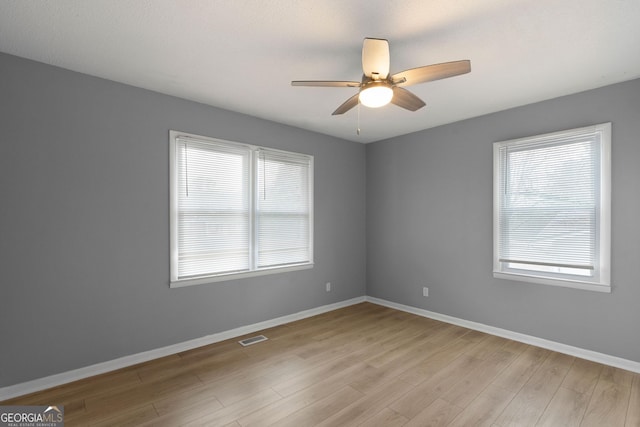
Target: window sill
566	283
234	276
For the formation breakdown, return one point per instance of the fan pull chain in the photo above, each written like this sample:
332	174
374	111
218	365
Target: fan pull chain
358	128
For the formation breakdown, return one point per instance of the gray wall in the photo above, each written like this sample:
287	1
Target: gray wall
429	223
84	243
84	247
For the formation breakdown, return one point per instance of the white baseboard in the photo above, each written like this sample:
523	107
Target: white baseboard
594	356
123	362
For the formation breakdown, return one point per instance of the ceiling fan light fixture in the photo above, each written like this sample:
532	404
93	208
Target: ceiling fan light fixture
378	87
376	95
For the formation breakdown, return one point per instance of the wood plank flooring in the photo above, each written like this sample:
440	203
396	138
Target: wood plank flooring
363	365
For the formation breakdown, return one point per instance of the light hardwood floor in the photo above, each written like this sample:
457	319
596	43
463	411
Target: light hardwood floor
362	365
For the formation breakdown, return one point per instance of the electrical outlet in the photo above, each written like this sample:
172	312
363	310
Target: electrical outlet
425	292
328	286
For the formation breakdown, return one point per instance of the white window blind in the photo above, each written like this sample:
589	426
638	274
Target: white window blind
237	209
284	208
551	207
213	208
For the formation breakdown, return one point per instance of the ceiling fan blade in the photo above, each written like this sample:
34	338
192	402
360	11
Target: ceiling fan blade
431	72
405	99
375	58
347	105
324	83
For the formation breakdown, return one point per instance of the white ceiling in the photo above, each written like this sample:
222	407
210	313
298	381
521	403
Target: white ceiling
242	54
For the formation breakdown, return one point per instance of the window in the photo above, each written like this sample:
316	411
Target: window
551	213
237	210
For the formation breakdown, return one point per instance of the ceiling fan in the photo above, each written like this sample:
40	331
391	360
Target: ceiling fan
378	87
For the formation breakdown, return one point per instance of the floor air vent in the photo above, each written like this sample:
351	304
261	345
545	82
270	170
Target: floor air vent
253	340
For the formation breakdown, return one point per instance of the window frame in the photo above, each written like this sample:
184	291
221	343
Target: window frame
255	271
601	281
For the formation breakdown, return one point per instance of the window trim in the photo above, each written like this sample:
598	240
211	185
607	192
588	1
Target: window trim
602	283
181	283
174	281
